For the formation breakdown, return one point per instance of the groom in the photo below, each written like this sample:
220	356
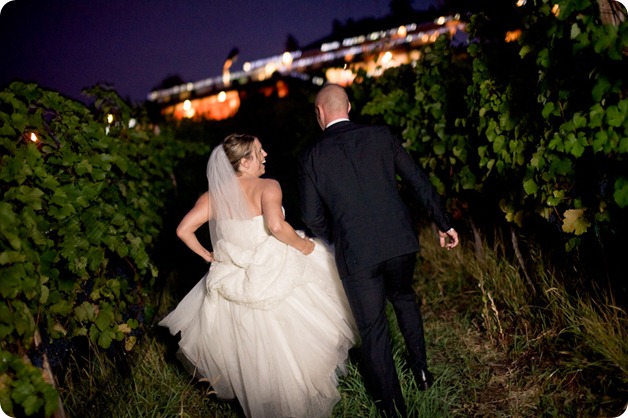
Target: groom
349	197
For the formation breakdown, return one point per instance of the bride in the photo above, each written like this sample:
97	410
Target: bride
269	324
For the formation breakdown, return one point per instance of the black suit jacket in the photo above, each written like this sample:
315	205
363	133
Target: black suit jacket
350	197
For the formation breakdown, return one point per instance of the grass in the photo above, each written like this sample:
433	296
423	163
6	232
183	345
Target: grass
497	349
153	386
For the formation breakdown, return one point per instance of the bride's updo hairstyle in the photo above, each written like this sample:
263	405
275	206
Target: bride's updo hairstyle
238	146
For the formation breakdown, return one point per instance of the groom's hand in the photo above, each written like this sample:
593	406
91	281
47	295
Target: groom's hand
448	239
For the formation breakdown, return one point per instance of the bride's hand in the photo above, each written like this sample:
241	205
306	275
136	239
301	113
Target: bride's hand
209	258
309	246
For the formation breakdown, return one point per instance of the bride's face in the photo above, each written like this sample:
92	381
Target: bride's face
257	159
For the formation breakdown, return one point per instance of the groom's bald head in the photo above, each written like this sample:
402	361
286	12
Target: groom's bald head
331	103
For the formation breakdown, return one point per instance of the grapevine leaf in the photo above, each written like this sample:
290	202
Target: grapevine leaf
548	109
5	331
62	307
130	343
105	339
601	139
499	143
530	186
10	257
32	404
28	195
83	167
124	328
623	145
575	221
600	89
85	312
621	192
105	318
615	116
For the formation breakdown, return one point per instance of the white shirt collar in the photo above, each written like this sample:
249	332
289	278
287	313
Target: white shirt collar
336	121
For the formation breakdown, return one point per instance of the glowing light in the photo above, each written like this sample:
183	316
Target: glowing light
110	118
188	109
521	3
286	58
330	46
132	123
513	35
387	57
556	10
343	76
296	62
222	96
354	40
318	81
270	68
33	137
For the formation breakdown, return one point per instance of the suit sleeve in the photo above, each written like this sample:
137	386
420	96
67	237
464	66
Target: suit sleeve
313	211
420	184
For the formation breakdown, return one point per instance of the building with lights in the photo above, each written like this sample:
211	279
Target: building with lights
335	61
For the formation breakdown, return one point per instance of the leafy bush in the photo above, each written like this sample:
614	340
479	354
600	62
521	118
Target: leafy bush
83	195
539	125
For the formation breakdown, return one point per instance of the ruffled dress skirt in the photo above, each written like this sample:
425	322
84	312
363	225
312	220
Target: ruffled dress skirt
267	325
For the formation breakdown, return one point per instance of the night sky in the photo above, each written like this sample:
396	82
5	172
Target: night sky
133	45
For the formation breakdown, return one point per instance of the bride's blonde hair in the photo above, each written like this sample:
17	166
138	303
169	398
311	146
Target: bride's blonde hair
238	146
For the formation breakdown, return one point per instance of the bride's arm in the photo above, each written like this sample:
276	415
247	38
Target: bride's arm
196	217
275	222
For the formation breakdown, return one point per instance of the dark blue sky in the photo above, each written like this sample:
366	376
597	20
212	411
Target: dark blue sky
67	45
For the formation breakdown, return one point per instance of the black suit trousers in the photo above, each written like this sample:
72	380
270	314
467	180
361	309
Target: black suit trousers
368	290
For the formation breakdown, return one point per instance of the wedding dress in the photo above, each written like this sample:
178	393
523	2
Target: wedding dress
267	324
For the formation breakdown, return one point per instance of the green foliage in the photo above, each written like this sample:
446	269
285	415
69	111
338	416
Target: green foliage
83	195
540	124
23	384
427	106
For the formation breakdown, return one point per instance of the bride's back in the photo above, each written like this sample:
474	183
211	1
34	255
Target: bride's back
253	189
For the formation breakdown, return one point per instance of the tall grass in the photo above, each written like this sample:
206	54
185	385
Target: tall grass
148	386
538	352
497	349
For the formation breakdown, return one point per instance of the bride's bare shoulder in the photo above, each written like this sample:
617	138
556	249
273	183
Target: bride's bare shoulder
269	184
270	188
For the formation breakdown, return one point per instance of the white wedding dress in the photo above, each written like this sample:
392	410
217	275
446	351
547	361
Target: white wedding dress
267	324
